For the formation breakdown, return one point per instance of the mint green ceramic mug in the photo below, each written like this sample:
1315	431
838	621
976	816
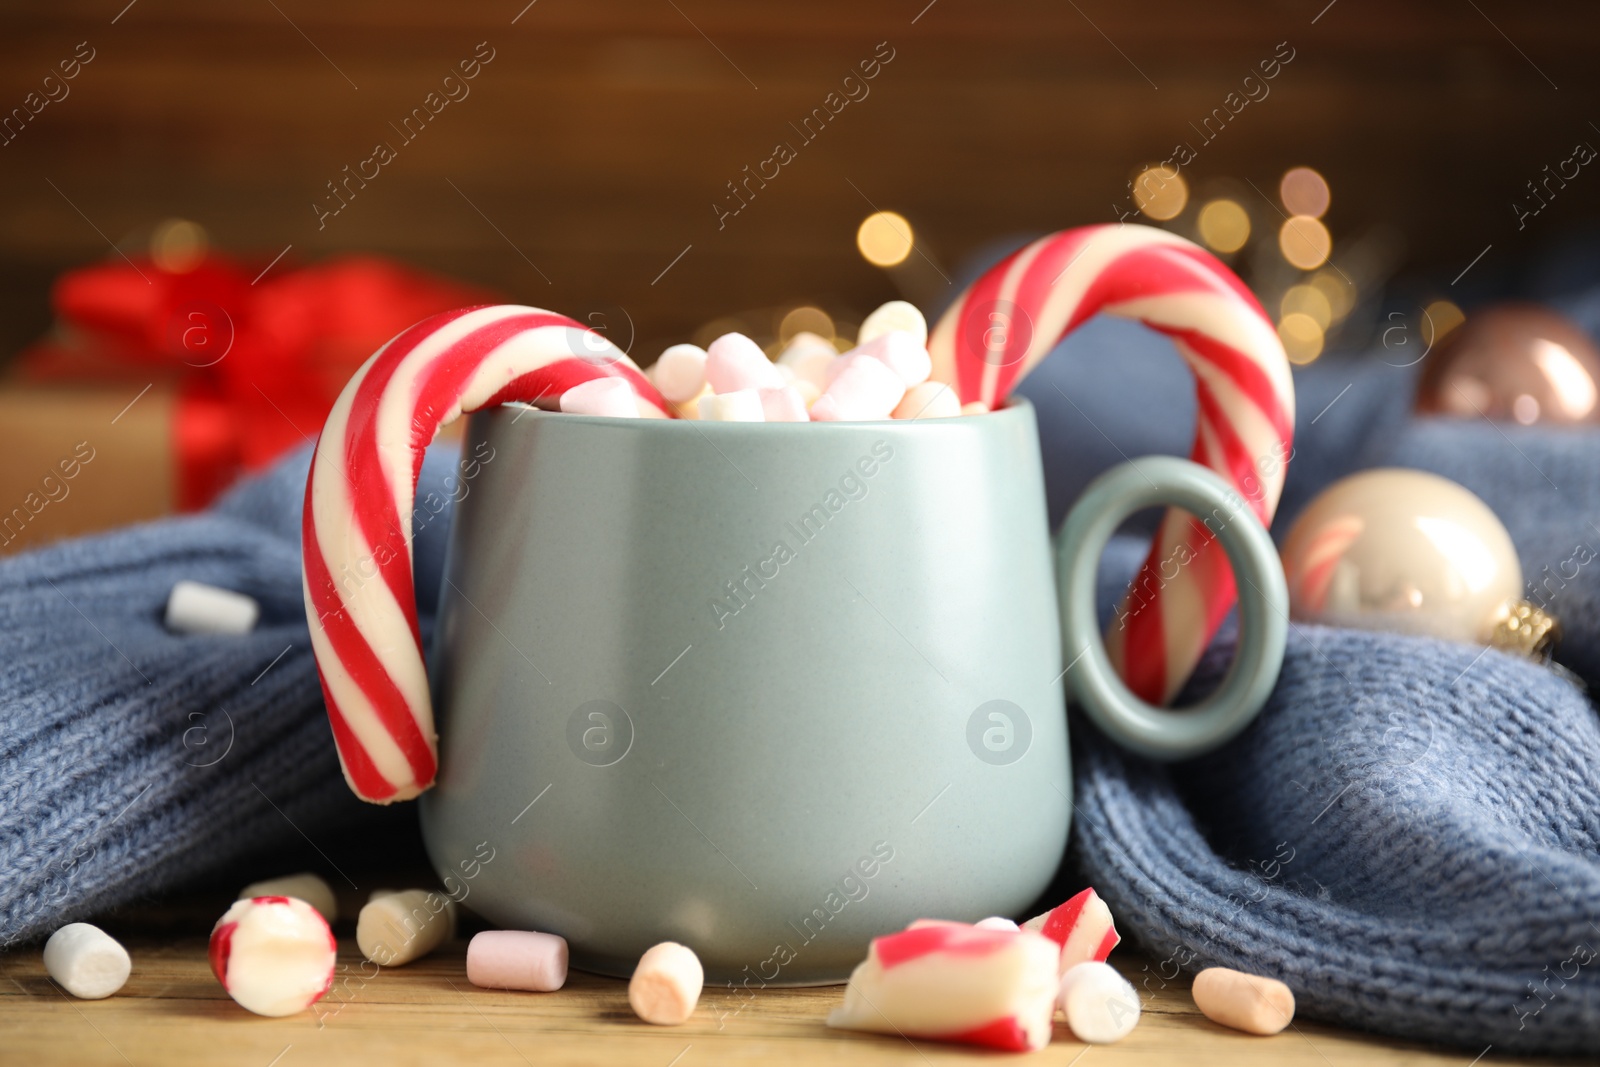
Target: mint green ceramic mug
771	690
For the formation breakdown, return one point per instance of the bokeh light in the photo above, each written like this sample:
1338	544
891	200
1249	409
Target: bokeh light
885	238
1304	192
178	245
1305	242
1301	337
1339	291
1439	318
805	319
1160	192
1224	226
1308	300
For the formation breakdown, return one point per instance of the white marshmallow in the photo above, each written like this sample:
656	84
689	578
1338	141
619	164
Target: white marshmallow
809	391
86	961
613	397
690	409
517	959
274	955
743	405
900	352
784	405
995	922
735	363
863	390
1101	1006
666	985
397	928
308	887
895	315
930	400
974	407
197	608
808	357
680	373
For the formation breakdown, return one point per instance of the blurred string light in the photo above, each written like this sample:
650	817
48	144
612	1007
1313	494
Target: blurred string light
1304	192
1224	226
178	245
805	319
1305	242
885	239
1160	192
1302	337
1339	291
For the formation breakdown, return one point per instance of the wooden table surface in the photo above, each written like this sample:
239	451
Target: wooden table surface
172	1011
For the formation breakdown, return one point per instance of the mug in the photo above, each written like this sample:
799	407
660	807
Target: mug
773	690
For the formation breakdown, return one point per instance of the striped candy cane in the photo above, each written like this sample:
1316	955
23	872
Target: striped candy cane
1010	319
356	531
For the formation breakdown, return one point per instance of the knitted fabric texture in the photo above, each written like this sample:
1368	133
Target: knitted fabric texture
1409	835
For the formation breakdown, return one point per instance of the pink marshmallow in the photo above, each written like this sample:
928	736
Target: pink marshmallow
601	396
734	363
930	400
784	405
864	389
680	373
901	352
517	959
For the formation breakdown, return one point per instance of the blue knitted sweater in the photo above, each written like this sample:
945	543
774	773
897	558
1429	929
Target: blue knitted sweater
1409	835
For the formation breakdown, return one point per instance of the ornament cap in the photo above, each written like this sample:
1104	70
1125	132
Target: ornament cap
1526	630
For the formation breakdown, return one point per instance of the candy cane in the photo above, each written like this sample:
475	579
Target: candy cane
1010	319
356	530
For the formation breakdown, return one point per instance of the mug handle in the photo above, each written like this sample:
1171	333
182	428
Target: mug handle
1263	609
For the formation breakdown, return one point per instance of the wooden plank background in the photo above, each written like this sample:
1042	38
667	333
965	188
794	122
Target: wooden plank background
592	147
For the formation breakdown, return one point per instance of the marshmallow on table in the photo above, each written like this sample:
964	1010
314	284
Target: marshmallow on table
900	352
274	955
954	982
783	405
864	389
86	961
734	363
742	405
929	400
1101	1006
666	985
307	886
197	608
895	315
517	959
680	373
996	922
601	396
1082	926
1242	1001
397	927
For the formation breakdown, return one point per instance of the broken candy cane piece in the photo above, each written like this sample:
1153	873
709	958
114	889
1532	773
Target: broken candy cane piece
1242	1001
309	887
274	955
954	982
734	362
396	928
895	315
603	396
1101	1005
517	959
666	985
1082	927
86	961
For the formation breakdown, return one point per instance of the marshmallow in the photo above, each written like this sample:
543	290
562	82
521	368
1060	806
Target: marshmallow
517	959
900	352
86	961
1242	1001
680	373
809	391
1101	1005
396	928
784	405
690	409
734	363
895	315
197	608
1082	927
807	357
975	407
864	389
743	405
995	922
601	396
930	400
954	982
305	885
666	985
274	955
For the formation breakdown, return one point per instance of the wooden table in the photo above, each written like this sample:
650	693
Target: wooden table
173	1011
